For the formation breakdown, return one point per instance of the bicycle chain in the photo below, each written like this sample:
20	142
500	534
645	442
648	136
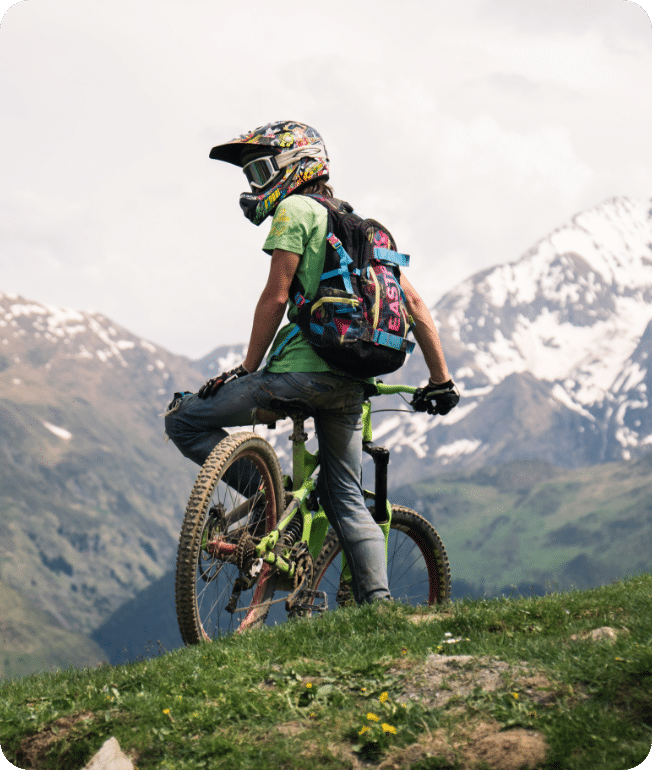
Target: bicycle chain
303	577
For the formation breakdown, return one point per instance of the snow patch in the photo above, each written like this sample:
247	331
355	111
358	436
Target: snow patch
562	396
58	431
463	446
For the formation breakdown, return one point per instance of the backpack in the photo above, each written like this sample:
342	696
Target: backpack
357	321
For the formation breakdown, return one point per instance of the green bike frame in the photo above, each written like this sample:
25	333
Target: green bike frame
314	524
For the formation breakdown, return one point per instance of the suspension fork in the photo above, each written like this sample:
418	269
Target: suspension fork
380	456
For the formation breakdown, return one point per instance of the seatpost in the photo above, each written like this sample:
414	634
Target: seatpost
298	439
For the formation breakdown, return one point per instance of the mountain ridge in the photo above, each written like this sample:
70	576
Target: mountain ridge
563	332
91	498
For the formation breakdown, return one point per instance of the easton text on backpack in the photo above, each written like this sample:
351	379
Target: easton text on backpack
357	321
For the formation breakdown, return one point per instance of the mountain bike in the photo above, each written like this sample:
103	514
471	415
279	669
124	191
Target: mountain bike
250	532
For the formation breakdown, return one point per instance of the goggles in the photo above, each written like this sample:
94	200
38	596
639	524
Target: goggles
261	172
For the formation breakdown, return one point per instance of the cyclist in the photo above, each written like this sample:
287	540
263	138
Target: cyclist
283	161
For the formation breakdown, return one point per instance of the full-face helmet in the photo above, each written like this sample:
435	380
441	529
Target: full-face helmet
277	159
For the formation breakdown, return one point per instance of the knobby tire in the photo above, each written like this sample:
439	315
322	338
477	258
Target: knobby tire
418	569
204	582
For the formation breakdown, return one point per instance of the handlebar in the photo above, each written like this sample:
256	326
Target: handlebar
389	390
381	390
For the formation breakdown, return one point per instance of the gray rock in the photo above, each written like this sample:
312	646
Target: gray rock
110	757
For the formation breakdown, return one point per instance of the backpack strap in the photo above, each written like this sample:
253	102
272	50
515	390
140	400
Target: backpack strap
393	341
275	353
395	257
345	261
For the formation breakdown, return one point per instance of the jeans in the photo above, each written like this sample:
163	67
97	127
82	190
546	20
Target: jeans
196	426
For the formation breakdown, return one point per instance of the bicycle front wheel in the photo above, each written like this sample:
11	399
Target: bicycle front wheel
417	564
222	520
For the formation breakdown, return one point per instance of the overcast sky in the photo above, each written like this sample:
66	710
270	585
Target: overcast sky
471	128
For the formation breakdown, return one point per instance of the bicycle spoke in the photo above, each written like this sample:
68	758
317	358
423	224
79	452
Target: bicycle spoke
214	595
417	564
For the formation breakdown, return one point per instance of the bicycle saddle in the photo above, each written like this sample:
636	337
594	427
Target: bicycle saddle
291	407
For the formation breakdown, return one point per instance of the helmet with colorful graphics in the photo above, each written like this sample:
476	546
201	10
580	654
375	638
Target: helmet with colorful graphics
277	159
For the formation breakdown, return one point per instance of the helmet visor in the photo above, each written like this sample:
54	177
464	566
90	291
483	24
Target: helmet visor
261	171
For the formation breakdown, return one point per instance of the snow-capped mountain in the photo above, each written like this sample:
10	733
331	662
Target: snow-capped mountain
43	341
91	497
550	353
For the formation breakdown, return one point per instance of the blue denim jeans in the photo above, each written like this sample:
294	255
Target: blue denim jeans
196	426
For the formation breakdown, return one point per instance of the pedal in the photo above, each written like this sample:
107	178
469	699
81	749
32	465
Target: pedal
301	604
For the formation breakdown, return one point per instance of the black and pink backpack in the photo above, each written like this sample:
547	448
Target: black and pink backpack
357	321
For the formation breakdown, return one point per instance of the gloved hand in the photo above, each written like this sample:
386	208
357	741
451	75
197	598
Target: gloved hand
446	396
212	386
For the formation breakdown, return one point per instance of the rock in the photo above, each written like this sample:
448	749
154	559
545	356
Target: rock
604	634
110	757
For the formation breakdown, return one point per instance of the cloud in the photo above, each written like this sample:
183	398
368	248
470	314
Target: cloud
613	19
471	129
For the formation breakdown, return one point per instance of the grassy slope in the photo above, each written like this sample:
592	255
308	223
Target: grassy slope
530	524
299	694
33	640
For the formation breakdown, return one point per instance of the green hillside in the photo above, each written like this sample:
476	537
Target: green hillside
33	640
562	681
535	527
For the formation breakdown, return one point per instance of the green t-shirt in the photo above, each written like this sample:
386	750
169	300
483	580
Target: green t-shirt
299	226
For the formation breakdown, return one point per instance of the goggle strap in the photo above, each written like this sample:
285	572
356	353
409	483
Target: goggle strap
290	156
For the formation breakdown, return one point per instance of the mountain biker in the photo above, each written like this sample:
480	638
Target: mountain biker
283	161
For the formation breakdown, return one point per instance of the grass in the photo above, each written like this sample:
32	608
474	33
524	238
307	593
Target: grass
300	694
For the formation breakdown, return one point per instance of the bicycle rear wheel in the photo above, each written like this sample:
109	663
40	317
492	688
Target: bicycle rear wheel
417	564
219	527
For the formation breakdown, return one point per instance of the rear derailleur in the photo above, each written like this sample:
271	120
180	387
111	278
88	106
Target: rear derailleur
303	599
249	568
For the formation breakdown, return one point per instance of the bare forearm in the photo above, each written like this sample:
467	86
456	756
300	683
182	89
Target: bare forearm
267	319
428	340
271	306
426	334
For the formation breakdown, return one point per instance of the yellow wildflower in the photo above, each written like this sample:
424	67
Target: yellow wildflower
166	711
515	694
308	685
383	697
388	728
373	717
364	730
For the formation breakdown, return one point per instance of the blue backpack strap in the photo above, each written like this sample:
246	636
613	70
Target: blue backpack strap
345	261
393	341
278	350
395	257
